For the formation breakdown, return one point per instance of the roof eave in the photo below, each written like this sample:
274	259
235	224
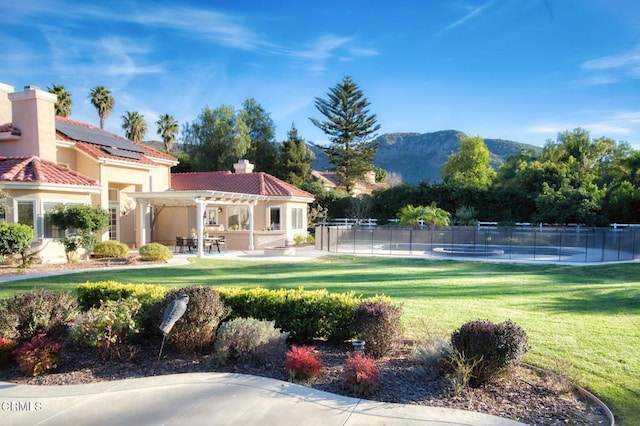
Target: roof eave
57	187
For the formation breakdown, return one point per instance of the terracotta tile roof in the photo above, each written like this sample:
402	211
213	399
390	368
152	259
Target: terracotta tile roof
8	128
96	151
258	183
33	169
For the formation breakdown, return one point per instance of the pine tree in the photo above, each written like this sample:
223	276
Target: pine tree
296	158
351	130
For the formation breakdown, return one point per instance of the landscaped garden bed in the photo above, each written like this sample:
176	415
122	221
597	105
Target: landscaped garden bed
403	372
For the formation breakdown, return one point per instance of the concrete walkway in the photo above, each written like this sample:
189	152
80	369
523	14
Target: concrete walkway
212	398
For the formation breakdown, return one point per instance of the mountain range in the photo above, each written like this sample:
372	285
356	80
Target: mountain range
418	157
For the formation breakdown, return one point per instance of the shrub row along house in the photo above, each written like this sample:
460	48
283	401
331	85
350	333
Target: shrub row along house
46	160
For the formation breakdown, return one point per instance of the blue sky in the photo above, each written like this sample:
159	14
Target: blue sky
513	69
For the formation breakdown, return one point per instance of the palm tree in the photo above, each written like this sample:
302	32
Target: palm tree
103	101
410	215
168	130
432	214
63	103
134	126
435	216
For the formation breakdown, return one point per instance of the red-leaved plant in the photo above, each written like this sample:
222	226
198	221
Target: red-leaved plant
38	356
361	374
6	348
302	363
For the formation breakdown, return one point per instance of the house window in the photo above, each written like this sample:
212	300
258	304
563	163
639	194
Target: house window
50	230
296	218
273	220
26	213
238	217
211	216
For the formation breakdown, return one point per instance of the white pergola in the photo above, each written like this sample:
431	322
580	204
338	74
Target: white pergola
200	199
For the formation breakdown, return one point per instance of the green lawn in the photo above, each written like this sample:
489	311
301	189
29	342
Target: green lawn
583	321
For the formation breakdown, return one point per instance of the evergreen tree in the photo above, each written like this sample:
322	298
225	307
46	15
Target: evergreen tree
296	158
216	139
469	167
351	130
262	152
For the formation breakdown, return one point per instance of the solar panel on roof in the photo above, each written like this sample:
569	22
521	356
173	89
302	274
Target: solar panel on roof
121	153
98	137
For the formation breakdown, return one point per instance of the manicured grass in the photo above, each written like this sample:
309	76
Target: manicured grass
582	321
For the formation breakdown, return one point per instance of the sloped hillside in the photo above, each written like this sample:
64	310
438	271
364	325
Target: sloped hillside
419	157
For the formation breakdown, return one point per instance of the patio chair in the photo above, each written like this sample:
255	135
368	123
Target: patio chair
219	242
180	244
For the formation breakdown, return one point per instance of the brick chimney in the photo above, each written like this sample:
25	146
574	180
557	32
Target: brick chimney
33	112
243	166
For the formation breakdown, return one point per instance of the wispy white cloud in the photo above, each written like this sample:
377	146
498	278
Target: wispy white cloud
598	80
324	48
218	27
613	68
472	14
618	124
359	51
631	59
120	54
199	24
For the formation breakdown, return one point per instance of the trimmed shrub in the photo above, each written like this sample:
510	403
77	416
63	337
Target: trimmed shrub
6	352
92	295
377	322
249	339
37	312
302	363
155	252
108	328
337	315
38	356
195	331
489	347
16	239
110	249
361	374
304	314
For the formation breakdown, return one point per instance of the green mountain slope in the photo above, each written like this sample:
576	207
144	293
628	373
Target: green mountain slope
419	157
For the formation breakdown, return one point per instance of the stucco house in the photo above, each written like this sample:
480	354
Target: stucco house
46	160
250	210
